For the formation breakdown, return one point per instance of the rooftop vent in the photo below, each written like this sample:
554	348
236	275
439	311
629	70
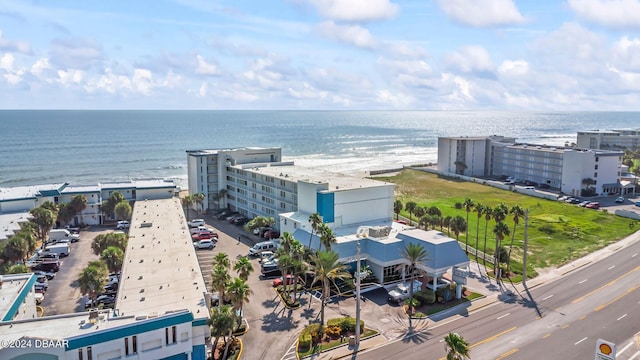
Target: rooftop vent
379	231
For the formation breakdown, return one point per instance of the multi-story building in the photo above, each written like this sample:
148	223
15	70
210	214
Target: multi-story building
467	155
565	168
161	310
609	140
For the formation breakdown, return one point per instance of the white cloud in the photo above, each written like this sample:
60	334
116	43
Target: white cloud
350	34
6	62
70	77
513	68
17	46
470	59
202	91
356	10
39	66
611	13
396	100
626	54
406	50
142	81
307	92
205	68
481	13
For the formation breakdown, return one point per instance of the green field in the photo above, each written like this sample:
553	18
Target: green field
558	232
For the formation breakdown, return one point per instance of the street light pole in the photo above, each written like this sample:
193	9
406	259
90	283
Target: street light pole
358	298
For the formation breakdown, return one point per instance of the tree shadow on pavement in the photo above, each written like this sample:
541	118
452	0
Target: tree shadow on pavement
281	321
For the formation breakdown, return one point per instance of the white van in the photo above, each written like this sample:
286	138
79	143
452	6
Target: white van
59	234
61	249
263	246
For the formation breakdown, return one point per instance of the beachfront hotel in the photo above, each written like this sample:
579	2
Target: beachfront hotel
609	139
562	168
161	310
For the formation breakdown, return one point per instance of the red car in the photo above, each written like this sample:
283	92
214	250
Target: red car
202	235
279	281
271	234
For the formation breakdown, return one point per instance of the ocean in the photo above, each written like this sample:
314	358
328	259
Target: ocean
91	146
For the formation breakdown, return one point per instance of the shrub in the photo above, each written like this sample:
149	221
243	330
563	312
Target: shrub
346	324
304	341
312	330
415	302
333	331
444	294
419	314
458	205
547	229
426	296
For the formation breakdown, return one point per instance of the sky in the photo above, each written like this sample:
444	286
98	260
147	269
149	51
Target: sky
534	55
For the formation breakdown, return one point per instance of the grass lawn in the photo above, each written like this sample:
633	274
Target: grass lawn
328	344
558	232
434	308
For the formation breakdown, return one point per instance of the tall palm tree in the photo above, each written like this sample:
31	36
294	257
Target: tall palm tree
410	207
500	230
419	211
222	322
14	249
270	222
92	279
416	255
315	219
500	212
488	214
239	292
113	257
187	202
434	210
103	241
327	237
285	263
219	281
458	225
222	259
243	267
44	219
198	198
468	205
479	209
397	208
436	220
327	269
298	264
447	222
456	346
424	222
517	212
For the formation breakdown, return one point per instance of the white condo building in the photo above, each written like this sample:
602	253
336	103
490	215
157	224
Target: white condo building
563	168
609	140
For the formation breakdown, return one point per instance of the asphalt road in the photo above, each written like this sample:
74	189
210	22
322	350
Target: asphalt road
560	320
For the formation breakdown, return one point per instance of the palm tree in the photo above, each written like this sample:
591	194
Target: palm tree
123	210
500	230
456	346
44	219
479	209
419	211
187	202
92	279
500	212
416	255
222	322
327	237
243	267
222	259
434	210
326	269
436	220
219	281
424	222
199	199
397	208
488	214
104	241
517	213
410	207
315	219
239	292
14	249
298	264
447	222
458	225
113	257
270	222
468	205
109	205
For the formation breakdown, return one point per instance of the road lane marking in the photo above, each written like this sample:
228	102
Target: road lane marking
604	286
503	316
565	326
617	298
624	348
582	281
611	267
634	255
493	337
510	352
635	356
580	341
582	317
621	317
546	336
548	297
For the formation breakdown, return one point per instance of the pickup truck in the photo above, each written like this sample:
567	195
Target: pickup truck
401	292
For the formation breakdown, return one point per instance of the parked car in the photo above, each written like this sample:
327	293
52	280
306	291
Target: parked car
43	286
41	279
122	225
111	287
290	280
265	256
201	236
544	186
562	198
637	203
105	300
39	298
271	234
196	222
47	274
619	200
401	222
240	220
584	203
204	244
223	215
593	205
270	270
46	266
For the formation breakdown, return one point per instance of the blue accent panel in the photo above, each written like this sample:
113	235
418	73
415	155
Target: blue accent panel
128	330
199	352
199	322
325	206
15	307
176	357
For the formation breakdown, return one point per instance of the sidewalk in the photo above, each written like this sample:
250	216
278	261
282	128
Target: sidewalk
493	293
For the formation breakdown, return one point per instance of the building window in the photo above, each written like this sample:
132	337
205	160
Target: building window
595	174
166	336
174	332
134	342
89	353
126	346
597	158
80	354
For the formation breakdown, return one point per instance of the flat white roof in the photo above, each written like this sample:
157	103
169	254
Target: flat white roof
140	184
11	287
160	271
10	223
26	192
81	189
295	173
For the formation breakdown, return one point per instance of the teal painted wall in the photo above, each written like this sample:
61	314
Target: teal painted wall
199	352
325	206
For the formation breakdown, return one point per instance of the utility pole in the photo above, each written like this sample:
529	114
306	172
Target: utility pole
524	256
358	299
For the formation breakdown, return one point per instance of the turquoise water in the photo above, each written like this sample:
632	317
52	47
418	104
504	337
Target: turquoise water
85	147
